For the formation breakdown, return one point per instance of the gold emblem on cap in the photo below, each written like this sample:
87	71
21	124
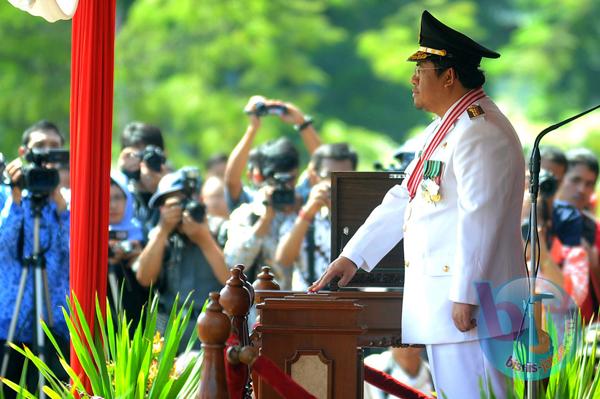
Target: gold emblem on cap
429	50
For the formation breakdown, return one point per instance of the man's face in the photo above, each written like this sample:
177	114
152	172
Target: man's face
329	165
578	185
44	139
213	196
427	86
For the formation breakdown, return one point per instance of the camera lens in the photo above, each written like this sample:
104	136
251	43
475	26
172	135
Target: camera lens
153	157
548	184
196	209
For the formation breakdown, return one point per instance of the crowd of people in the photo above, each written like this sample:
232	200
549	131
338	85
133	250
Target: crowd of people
173	232
176	233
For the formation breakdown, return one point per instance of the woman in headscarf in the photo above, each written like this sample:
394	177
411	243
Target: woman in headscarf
124	246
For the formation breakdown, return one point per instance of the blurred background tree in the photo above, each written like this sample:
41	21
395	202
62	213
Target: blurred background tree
189	67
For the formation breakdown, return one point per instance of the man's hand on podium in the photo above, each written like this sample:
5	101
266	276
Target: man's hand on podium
341	267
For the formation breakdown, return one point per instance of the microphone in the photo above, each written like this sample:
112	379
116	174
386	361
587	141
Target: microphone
535	161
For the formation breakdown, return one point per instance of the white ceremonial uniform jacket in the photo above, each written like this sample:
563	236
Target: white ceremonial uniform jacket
471	235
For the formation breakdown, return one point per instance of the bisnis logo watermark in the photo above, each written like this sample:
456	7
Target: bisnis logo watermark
506	323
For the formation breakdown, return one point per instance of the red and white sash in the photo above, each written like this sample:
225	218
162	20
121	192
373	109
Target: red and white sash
462	105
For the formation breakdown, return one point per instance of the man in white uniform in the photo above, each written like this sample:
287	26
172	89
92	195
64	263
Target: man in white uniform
460	204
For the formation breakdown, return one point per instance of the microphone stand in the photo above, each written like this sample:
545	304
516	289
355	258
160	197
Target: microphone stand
534	186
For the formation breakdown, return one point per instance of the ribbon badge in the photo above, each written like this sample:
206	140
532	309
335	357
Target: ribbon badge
430	186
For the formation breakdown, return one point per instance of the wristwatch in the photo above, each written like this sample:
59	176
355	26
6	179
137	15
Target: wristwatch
307	122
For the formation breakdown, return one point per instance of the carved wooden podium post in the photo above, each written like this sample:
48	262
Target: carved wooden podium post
213	329
318	338
300	335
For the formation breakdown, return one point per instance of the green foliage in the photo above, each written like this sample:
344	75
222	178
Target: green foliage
34	74
189	67
116	365
547	64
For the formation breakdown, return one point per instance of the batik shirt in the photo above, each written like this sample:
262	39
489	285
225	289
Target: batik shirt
244	247
321	231
54	243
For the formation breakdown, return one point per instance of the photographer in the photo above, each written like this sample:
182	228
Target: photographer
255	228
17	246
548	232
181	256
235	192
124	246
576	190
307	240
142	161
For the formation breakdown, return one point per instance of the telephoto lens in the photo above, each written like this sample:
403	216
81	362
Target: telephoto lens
197	210
154	157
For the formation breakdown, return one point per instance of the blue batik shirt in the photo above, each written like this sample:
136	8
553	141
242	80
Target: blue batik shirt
54	242
4	194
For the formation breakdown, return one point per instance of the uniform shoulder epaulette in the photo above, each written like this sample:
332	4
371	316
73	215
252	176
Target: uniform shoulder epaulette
474	111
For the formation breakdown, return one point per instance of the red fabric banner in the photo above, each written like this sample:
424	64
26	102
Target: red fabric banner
278	380
392	386
236	374
92	75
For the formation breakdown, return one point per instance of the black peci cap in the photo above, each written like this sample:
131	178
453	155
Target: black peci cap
437	39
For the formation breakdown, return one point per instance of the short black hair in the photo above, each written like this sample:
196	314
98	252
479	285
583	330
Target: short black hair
139	134
42	125
336	151
215	159
469	75
278	156
583	156
255	158
553	154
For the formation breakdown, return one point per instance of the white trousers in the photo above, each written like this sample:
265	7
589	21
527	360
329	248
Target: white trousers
458	370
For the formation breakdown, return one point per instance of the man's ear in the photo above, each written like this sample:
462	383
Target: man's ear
450	77
22	151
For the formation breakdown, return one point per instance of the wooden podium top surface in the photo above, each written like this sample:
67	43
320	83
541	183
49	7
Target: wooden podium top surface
380	313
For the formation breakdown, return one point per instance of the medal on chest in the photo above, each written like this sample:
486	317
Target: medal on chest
430	186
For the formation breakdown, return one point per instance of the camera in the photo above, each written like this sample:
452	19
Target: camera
283	195
154	157
548	184
191	187
123	243
262	109
38	178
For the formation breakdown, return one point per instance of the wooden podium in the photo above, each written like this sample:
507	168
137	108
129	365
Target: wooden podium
318	339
